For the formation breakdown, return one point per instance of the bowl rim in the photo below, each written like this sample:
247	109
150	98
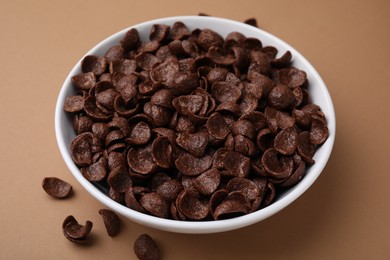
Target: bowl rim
197	226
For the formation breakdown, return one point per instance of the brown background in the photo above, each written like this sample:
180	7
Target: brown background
344	215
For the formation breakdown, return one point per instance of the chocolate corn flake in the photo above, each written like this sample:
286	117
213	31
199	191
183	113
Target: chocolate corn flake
248	187
191	165
125	66
277	166
159	32
235	204
131	40
145	248
105	99
119	179
244	145
184	125
248	103
139	134
162	152
113	137
217	56
84	81
151	46
74	231
195	143
56	187
74	104
95	64
146	60
190	204
236	164
306	149
169	189
224	91
251	21
286	141
83	147
141	160
231	107
179	31
269	196
155	204
82	124
283	61
292	77
251	43
116	196
116	159
159	115
319	131
243	127
105	77
296	176
187	105
216	74
192	125
208	38
111	221
163	98
217	126
92	110
281	97
131	200
165	71
96	171
208	182
114	53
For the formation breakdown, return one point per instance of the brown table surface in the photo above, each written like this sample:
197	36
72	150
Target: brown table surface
344	215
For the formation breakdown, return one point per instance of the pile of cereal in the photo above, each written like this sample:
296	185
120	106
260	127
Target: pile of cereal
191	125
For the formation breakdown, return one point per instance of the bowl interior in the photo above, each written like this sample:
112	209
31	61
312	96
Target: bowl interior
317	89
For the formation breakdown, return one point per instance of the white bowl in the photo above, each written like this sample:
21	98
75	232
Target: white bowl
318	91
